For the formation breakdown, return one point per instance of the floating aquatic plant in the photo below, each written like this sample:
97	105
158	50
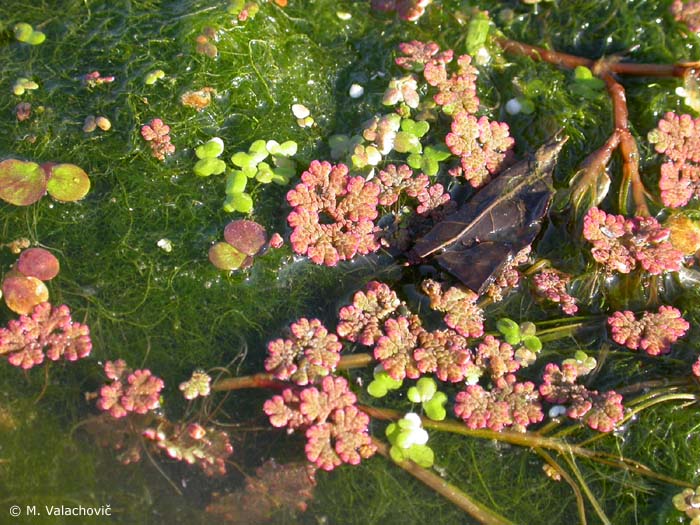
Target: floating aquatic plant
209	163
431	399
654	332
308	354
157	134
333	213
49	332
408	439
621	244
199	385
244	240
66	182
687	12
27	34
552	285
251	165
677	137
137	391
94	79
22	85
409	10
154	76
274	488
39	263
22	293
336	431
382	383
21	183
93	122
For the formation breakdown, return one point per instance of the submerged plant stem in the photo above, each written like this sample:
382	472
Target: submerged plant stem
529	440
476	510
580	506
264	380
621	137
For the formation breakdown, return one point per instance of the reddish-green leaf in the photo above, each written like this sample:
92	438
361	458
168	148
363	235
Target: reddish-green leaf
246	236
67	182
21	183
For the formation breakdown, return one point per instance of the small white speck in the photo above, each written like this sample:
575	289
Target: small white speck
482	57
513	106
300	111
166	245
681	92
356	91
557	410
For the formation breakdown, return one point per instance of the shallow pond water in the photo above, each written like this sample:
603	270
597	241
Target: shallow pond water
134	264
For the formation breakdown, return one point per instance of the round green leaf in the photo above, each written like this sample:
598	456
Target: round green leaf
240	202
414	395
397	454
421	454
532	343
528	328
210	149
21	183
407	143
435	407
226	257
258	150
243	160
36	38
67	182
23	31
209	166
235	182
377	389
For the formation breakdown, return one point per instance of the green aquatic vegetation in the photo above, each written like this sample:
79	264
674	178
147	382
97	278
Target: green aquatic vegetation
27	34
408	441
209	163
177	313
382	383
66	182
154	76
432	401
585	85
22	85
252	166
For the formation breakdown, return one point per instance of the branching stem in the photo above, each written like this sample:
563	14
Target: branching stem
450	492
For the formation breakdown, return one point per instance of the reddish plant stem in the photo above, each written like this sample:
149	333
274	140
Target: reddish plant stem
628	146
611	64
268	380
450	492
621	136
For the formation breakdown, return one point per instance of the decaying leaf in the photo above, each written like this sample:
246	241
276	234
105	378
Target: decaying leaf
483	235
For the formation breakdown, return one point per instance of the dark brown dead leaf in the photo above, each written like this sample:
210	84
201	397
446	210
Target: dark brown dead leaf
483	235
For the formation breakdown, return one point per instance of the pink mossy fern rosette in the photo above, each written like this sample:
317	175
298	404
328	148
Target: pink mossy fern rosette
653	332
310	353
621	244
333	214
48	332
336	430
